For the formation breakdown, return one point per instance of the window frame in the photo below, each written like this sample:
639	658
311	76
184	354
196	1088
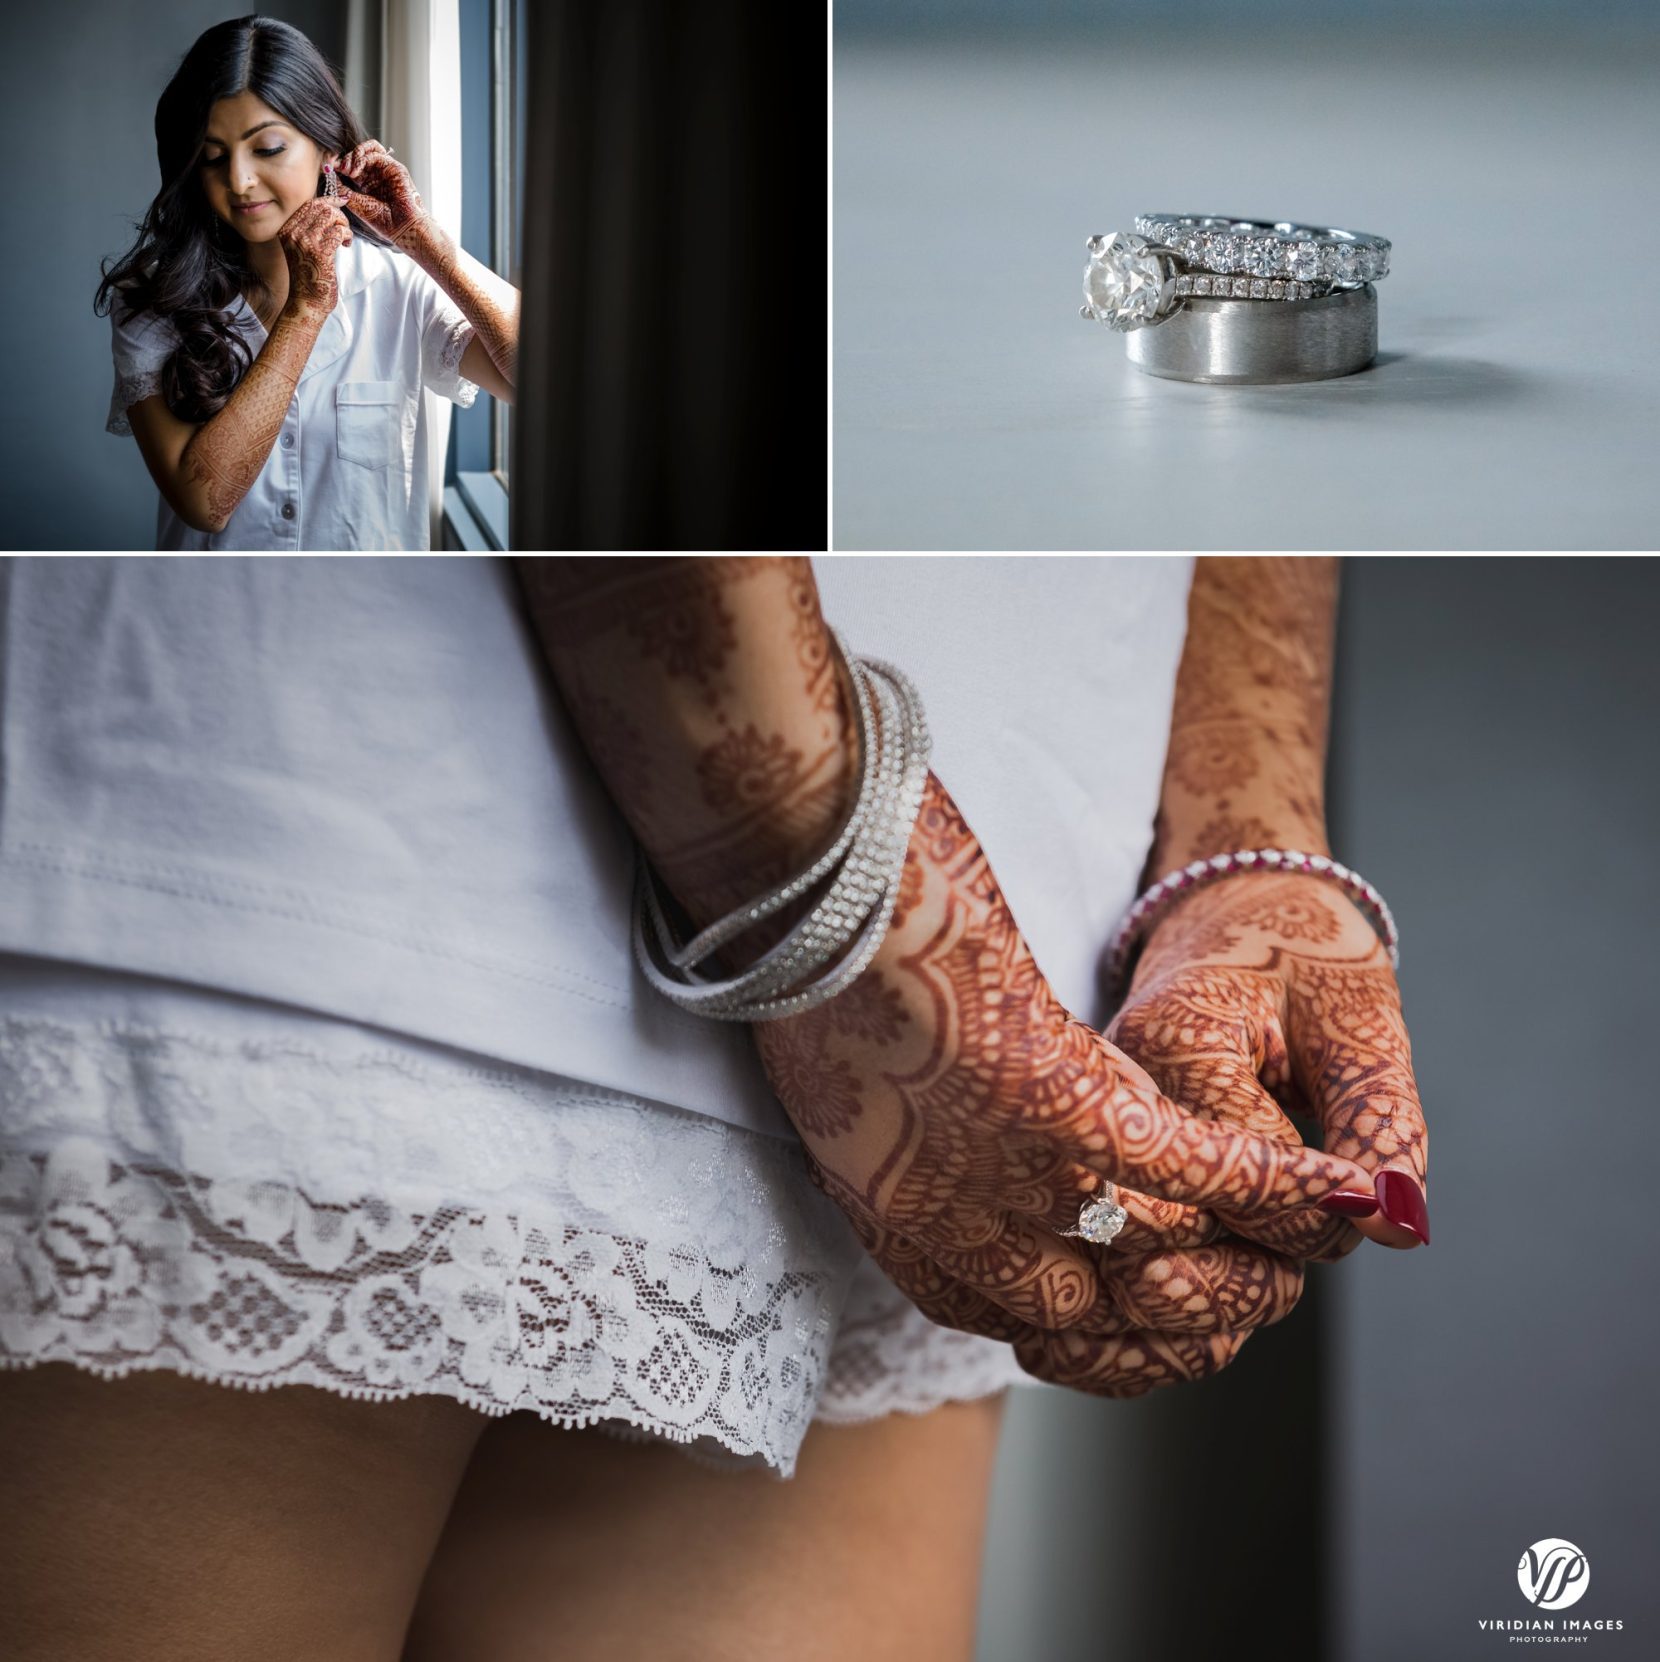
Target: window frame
476	511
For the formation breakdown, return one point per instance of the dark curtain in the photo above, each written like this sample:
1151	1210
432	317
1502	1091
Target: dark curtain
672	375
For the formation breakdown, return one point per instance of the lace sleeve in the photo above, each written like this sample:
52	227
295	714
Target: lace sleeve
140	347
129	389
448	379
445	333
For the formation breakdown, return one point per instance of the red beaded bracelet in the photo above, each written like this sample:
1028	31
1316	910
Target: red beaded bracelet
1164	893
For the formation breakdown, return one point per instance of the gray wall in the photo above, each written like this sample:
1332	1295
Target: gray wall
1361	1484
1498	781
78	91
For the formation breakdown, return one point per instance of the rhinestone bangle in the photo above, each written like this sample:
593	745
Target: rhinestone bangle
858	906
736	923
1163	895
831	921
827	926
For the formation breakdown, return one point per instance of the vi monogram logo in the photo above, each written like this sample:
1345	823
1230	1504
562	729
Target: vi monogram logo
1554	1574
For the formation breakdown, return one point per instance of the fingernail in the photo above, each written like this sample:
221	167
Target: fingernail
1352	1203
1403	1203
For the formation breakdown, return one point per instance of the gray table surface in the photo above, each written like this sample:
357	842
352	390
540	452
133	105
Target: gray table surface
1514	403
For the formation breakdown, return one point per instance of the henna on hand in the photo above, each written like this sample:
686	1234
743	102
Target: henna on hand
946	1100
958	1114
311	240
380	190
1126	1367
1266	994
227	453
1267	990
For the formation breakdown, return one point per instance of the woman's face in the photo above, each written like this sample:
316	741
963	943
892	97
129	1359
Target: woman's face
251	155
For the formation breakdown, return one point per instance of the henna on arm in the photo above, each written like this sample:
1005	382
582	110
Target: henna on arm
1246	763
1269	993
227	452
442	258
707	694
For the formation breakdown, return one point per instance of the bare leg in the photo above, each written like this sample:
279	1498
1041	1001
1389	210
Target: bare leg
570	1546
159	1516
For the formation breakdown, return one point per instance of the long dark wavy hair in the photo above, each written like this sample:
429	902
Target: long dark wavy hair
187	264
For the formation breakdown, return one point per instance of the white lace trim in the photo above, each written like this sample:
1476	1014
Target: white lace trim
888	1358
231	1211
455	344
129	390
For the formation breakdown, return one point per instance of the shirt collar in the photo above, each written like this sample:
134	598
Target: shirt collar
359	264
356	266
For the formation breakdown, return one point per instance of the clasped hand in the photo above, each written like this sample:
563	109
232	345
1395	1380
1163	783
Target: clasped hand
959	1116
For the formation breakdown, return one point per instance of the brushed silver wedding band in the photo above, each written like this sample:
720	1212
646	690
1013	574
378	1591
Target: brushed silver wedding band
1249	343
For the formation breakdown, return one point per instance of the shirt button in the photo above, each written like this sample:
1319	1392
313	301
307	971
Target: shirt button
288	510
288	441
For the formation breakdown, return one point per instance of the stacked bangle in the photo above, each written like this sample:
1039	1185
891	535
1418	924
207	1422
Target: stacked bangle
1157	900
867	857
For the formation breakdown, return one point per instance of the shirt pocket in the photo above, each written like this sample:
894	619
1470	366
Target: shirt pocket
368	423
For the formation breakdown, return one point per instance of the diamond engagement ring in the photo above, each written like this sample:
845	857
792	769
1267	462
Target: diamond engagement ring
1132	282
1100	1217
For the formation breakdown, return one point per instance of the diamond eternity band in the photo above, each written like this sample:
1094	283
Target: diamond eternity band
1270	248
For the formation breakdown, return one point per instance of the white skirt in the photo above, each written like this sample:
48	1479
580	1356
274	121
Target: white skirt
256	1195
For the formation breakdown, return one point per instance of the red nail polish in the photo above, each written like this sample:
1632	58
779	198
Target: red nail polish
1350	1203
1403	1203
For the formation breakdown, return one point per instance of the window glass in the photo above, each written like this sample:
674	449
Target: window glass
493	82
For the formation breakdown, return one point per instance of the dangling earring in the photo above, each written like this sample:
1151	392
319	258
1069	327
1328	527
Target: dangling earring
330	189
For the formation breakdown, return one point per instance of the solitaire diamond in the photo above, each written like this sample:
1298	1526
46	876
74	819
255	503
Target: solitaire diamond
1101	1219
1126	284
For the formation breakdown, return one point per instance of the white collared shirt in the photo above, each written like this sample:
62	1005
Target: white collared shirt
349	467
